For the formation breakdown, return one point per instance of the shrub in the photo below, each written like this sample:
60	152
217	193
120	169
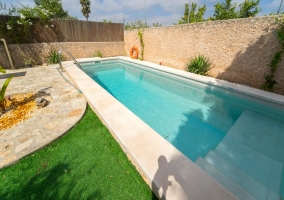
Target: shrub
53	57
29	61
2	92
199	65
98	54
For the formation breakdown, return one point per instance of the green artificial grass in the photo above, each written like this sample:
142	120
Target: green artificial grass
86	163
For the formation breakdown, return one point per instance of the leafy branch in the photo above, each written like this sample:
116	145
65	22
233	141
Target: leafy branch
140	34
276	59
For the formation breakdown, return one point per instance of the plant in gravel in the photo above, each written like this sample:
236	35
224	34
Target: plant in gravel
199	65
2	92
53	56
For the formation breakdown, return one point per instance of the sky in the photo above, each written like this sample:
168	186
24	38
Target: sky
165	12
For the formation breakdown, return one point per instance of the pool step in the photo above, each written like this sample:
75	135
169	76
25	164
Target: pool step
251	156
262	168
247	182
257	132
262	134
230	185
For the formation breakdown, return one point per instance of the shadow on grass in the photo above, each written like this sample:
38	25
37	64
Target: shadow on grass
47	184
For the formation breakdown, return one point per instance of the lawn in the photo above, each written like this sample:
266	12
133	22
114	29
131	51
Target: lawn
86	163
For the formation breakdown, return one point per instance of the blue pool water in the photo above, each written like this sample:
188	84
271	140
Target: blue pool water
204	122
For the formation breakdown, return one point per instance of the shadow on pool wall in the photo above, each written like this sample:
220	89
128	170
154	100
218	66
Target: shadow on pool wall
204	129
250	64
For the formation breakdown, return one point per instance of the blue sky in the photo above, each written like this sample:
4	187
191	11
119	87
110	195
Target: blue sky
166	12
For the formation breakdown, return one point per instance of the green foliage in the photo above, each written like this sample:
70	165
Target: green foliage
29	61
86	9
157	25
53	57
2	70
276	59
10	11
228	10
53	6
269	82
18	26
249	8
193	15
4	87
140	35
136	25
3	90
22	18
98	54
280	31
105	21
199	65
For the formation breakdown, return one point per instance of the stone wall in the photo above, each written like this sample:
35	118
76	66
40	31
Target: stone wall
39	51
240	49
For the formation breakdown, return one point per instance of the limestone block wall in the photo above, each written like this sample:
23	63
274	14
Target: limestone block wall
240	49
39	51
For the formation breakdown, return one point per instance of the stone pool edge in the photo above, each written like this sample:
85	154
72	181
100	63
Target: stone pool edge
146	148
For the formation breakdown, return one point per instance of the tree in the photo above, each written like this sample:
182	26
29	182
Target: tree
86	10
53	6
157	25
105	21
37	2
193	15
11	11
136	25
228	10
249	8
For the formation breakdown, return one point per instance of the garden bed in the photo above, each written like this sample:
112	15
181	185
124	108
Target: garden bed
19	107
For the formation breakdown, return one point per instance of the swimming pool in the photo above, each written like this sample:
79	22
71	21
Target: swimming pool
223	131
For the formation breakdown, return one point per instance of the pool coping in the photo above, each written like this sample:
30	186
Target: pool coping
160	163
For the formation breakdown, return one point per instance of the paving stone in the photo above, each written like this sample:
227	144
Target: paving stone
6	146
65	108
75	112
5	153
8	160
23	139
22	146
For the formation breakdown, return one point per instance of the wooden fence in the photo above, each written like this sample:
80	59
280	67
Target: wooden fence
59	30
